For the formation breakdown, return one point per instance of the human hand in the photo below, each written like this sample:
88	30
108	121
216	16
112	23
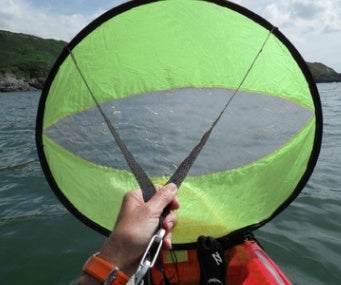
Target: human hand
136	224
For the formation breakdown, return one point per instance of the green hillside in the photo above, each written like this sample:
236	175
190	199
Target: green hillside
26	55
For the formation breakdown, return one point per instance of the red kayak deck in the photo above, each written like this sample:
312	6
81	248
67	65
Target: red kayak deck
247	262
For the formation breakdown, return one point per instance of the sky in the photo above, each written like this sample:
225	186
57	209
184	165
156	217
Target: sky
313	26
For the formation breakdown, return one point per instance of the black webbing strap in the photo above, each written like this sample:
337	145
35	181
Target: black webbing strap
181	172
147	187
183	169
211	261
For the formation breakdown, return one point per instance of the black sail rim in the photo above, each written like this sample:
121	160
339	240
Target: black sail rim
132	4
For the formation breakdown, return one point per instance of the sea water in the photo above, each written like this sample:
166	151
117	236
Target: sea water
41	243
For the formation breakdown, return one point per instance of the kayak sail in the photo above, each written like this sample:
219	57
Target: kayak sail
161	73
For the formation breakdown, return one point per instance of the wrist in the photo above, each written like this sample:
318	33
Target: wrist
114	251
103	271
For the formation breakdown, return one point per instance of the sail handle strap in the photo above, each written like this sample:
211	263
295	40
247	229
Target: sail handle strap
147	187
181	172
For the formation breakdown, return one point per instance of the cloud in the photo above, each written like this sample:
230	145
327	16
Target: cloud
305	15
314	26
22	16
301	15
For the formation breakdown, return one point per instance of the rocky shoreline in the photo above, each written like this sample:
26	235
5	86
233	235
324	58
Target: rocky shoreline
10	82
26	61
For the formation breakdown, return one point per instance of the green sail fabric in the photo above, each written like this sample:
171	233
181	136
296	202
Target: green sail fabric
153	48
156	47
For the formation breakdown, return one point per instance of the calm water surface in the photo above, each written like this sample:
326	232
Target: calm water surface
41	243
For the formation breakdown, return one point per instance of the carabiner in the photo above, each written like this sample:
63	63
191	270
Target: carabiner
150	255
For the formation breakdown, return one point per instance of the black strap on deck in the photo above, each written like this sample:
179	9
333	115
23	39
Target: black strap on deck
211	260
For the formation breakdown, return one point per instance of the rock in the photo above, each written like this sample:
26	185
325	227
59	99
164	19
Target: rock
37	83
10	82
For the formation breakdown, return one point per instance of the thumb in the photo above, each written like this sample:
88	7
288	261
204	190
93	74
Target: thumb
162	198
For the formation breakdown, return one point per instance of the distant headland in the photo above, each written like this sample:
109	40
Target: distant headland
25	61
